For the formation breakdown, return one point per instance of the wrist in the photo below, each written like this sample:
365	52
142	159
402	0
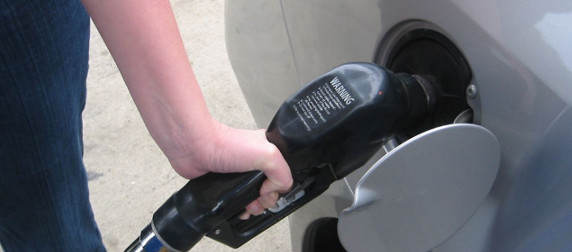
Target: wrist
190	150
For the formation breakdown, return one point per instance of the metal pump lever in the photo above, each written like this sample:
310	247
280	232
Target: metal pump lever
296	193
326	130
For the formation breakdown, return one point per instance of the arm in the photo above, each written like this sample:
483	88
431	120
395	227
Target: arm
144	40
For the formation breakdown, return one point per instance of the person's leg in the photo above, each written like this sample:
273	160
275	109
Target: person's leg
44	199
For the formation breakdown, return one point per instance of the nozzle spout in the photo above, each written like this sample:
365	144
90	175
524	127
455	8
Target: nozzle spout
148	242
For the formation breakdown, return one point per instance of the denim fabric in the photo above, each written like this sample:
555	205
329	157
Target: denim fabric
44	199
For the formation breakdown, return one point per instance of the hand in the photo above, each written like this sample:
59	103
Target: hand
235	150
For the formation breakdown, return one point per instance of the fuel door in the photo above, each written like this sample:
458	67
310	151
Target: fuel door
423	191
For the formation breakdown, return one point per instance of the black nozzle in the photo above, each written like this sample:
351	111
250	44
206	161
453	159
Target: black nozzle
421	95
342	117
326	130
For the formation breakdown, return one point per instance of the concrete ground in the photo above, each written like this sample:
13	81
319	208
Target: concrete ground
129	176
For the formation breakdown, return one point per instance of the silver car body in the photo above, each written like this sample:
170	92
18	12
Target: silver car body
520	55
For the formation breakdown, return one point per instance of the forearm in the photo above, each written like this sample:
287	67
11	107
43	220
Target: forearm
145	42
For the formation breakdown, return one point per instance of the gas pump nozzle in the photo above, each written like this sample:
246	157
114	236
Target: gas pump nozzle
326	130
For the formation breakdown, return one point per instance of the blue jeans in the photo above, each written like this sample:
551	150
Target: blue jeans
44	199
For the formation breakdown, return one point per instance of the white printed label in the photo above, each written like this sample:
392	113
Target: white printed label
323	103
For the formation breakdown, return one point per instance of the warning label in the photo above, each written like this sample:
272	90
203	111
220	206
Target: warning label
323	103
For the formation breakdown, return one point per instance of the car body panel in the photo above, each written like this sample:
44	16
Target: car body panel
521	63
423	191
259	50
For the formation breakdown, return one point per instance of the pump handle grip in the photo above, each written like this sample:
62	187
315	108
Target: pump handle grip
227	195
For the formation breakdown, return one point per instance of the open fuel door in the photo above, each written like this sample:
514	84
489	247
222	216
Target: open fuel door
423	191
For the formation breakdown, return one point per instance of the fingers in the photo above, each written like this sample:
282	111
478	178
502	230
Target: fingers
276	170
279	179
244	216
258	206
269	192
266	200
